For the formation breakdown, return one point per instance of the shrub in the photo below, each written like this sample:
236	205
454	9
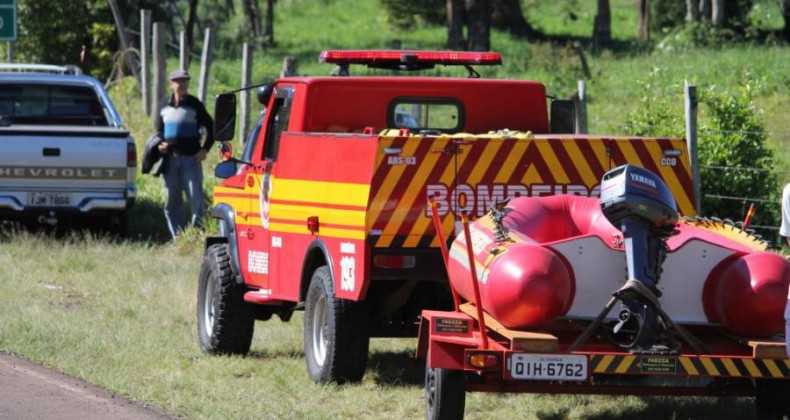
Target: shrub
734	159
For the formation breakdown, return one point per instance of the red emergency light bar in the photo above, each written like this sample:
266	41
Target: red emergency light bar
409	58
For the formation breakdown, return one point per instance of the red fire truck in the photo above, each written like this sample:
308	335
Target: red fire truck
327	211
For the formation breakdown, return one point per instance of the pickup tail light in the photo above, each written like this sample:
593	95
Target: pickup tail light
131	155
394	261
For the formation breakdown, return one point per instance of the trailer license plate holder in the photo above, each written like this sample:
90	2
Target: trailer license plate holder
49	199
548	367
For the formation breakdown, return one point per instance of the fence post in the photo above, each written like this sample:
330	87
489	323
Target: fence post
581	108
124	35
183	59
159	67
145	53
289	67
246	66
690	94
205	62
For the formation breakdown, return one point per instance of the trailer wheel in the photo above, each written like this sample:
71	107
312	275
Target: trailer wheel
336	333
225	321
772	399
445	393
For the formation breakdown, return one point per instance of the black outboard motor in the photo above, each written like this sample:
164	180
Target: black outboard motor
641	205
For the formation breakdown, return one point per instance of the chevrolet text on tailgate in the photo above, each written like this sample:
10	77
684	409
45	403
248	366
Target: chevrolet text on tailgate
350	187
64	152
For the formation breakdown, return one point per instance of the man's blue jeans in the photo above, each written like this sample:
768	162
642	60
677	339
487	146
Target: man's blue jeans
787	328
184	175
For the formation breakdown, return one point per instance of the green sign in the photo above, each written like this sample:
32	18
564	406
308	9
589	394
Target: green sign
7	20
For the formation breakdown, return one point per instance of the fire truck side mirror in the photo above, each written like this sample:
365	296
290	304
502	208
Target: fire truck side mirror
225	169
224	117
563	116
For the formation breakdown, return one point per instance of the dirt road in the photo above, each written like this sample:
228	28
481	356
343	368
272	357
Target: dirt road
30	391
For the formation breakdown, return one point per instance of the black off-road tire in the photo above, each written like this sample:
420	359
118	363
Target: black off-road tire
445	394
225	321
773	399
336	333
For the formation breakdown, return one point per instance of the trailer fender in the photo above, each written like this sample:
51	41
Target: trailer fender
227	234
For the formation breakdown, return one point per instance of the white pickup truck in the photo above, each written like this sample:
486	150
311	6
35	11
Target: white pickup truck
64	152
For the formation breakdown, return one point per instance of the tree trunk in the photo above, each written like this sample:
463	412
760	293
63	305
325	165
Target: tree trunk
602	30
455	25
190	41
692	11
717	12
478	23
508	14
704	9
785	9
643	28
254	16
268	30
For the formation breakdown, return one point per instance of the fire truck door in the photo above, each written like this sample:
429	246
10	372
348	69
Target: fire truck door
261	265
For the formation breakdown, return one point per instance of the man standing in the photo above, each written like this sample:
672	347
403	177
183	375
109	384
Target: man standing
178	123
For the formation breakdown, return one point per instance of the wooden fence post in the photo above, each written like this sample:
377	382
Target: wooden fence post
122	33
581	108
246	71
289	67
690	94
145	53
183	54
159	67
205	62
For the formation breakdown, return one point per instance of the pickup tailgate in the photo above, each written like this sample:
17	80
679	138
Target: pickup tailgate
470	173
82	168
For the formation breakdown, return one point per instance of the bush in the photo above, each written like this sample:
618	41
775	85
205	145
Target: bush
734	158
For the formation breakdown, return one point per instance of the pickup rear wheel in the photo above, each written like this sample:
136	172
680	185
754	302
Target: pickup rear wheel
336	336
225	321
445	393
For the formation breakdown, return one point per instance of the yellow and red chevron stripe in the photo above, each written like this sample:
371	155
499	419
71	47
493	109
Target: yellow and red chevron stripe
690	366
477	169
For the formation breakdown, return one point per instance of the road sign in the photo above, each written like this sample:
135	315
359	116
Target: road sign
7	20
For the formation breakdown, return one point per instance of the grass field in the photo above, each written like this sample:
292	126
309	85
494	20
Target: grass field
121	314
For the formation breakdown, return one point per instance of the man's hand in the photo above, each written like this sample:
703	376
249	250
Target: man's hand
162	147
200	156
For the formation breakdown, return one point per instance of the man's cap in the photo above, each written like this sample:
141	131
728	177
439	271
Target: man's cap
179	75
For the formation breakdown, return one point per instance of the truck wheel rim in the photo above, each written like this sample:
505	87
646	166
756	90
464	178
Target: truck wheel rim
208	308
430	388
319	331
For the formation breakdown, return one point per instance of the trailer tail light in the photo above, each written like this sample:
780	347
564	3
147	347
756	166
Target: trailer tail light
482	360
131	155
394	261
373	57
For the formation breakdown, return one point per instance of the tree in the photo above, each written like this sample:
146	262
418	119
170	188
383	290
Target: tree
478	13
253	13
785	7
268	28
455	25
507	14
602	29
644	19
190	29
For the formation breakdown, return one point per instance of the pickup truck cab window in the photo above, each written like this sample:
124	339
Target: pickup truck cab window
42	104
442	115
